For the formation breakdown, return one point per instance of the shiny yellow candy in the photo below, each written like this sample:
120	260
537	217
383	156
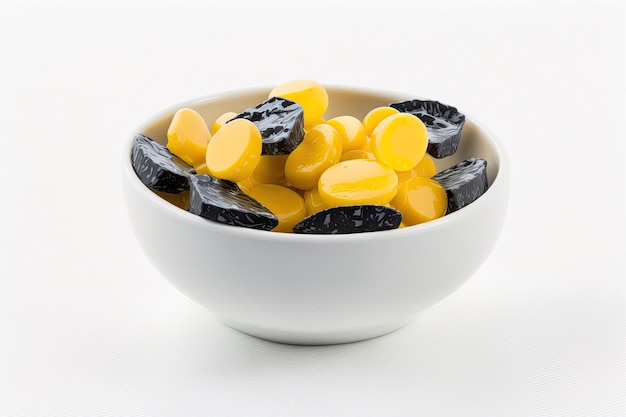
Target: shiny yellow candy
400	141
320	149
307	93
358	181
311	124
313	201
246	185
424	168
270	170
420	200
188	136
368	144
351	131
234	152
202	168
375	116
286	204
221	121
357	154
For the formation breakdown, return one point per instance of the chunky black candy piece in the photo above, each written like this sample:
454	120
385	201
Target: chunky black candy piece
158	168
463	182
443	124
281	123
223	201
349	219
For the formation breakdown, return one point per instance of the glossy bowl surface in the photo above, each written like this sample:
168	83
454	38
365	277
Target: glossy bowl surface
317	289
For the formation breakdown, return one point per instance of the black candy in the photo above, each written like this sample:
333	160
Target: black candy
158	168
349	219
281	123
463	182
222	201
443	124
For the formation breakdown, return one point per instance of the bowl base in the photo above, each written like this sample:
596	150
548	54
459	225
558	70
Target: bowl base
316	338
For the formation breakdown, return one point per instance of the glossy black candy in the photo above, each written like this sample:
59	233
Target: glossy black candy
222	201
463	182
158	168
350	219
281	123
443	123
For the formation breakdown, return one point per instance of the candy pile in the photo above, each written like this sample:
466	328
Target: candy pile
281	166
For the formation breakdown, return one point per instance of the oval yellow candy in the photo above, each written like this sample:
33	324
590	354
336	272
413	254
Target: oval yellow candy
307	93
311	124
313	201
357	154
420	200
375	116
246	184
286	204
400	141
270	170
368	144
234	152
358	181
351	131
424	168
320	149
221	121
188	136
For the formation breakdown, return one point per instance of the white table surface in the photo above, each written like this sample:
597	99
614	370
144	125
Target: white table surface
89	328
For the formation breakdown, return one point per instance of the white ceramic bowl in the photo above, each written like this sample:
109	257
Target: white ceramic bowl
317	289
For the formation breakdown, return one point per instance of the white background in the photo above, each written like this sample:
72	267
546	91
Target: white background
89	328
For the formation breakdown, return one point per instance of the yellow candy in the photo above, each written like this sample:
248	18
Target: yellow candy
247	184
368	144
285	203
358	181
307	93
202	168
313	201
221	121
271	170
234	152
351	131
400	141
420	200
320	149
375	116
312	124
188	136
357	154
424	168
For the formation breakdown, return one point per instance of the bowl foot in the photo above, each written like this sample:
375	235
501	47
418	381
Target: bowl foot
316	338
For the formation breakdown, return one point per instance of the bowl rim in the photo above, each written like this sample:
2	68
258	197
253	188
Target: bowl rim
501	178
